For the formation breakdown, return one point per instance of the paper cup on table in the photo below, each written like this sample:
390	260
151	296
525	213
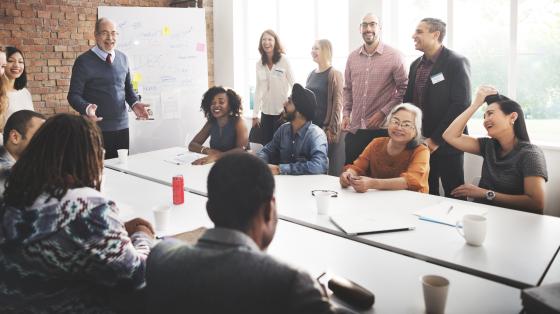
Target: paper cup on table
162	214
435	293
323	200
123	155
473	229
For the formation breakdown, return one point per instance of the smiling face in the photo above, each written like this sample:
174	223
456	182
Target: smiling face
423	39
496	122
267	43
220	106
106	36
370	29
316	52
401	127
14	66
3	62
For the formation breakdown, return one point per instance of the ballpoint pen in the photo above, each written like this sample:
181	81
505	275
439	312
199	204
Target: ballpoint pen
172	162
450	209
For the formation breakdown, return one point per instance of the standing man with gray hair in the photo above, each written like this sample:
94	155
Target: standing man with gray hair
439	83
374	82
101	87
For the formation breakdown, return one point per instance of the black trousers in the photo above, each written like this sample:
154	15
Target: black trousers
448	168
269	125
114	140
356	143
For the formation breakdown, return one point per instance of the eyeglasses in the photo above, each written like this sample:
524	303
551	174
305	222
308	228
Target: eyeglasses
370	24
107	34
331	193
405	125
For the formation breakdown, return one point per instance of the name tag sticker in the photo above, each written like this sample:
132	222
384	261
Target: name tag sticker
278	72
436	78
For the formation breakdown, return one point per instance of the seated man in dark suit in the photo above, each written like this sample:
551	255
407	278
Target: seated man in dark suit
227	270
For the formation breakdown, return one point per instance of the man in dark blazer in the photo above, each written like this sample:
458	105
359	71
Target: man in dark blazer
227	270
439	83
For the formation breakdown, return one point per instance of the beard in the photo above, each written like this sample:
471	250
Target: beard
289	116
367	41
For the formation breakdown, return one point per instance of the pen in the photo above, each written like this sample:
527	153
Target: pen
450	209
172	162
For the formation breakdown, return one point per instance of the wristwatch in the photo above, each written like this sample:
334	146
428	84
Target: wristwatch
490	195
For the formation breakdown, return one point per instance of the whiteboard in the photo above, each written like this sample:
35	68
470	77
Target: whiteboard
166	48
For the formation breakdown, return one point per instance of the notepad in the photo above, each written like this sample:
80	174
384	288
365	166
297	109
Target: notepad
448	213
360	225
184	158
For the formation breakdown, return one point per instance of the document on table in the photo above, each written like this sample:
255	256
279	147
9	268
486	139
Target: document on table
184	158
448	213
368	224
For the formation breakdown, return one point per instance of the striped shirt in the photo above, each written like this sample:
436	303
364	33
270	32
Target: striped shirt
373	83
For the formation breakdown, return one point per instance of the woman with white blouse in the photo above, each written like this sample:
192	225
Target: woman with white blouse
15	82
274	83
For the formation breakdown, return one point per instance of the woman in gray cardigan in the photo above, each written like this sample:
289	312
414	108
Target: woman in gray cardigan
327	83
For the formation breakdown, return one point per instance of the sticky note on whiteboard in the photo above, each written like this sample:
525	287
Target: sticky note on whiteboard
166	31
200	47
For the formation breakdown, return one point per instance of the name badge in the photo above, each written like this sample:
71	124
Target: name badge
278	72
436	78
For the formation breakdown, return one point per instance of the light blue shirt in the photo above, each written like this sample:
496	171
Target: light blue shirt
304	152
103	54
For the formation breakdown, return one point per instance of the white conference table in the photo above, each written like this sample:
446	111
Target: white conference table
517	250
553	274
159	166
393	278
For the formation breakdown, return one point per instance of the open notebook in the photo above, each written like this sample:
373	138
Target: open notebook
360	225
448	213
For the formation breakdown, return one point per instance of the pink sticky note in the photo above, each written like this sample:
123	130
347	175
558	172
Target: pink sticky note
200	47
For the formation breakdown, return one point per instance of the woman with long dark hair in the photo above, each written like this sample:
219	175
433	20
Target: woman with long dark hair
514	170
15	83
274	83
63	248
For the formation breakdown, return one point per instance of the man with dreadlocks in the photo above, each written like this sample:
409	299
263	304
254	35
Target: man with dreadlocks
63	248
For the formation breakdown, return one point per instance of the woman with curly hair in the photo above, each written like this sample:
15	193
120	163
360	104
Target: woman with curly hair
225	127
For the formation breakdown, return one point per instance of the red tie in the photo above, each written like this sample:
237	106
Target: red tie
108	59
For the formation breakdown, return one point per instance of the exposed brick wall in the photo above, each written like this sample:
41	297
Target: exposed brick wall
52	33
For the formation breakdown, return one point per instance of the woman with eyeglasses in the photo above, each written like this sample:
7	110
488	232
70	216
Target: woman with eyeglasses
397	162
513	170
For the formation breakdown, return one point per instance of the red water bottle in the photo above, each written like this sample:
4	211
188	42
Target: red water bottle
178	192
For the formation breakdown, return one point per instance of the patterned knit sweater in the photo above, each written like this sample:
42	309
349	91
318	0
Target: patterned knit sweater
68	256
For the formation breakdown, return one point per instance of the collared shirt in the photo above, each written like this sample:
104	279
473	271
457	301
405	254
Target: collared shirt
422	74
304	152
225	237
103	54
273	87
373	83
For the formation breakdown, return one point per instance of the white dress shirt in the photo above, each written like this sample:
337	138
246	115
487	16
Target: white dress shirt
273	87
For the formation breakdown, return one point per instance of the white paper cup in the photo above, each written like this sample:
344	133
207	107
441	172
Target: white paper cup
162	214
435	293
473	229
323	200
123	155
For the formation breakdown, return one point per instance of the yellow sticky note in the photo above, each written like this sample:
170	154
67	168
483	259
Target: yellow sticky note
166	31
136	77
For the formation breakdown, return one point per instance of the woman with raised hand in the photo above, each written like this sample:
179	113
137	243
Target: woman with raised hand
514	170
224	125
63	246
274	83
397	162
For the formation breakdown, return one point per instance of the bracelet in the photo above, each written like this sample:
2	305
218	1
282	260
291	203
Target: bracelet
202	149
